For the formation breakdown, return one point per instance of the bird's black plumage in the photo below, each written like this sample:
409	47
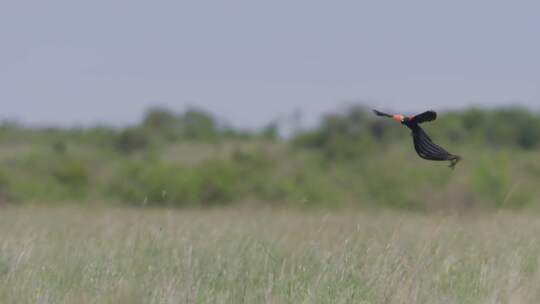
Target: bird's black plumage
424	146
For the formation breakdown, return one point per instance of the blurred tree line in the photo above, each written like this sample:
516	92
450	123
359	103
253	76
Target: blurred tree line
351	159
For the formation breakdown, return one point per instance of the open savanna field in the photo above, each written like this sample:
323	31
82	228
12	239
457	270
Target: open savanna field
254	255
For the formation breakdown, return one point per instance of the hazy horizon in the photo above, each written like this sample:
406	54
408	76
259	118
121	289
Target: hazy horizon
67	63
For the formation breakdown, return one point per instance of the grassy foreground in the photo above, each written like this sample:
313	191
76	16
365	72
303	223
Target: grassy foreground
71	255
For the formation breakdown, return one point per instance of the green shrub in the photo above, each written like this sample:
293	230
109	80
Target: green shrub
490	179
5	194
132	140
71	173
198	124
59	147
207	183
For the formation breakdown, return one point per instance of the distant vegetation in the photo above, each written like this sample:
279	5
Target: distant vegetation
351	159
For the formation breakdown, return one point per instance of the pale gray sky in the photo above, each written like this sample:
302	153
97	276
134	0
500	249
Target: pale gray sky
79	62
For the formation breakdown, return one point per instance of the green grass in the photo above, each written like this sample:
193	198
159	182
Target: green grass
74	255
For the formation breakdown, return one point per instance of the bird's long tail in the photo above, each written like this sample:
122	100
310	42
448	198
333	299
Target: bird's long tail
454	161
379	113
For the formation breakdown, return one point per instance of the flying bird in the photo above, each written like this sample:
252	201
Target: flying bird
423	144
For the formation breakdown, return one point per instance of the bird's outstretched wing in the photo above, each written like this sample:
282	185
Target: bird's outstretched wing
425	117
379	113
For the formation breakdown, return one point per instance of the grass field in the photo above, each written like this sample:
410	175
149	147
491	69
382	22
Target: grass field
74	255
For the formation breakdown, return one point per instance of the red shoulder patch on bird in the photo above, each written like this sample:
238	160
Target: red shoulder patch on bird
398	118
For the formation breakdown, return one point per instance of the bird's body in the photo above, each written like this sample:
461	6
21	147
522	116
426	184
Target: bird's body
424	146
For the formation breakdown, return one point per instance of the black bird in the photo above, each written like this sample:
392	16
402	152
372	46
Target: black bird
423	145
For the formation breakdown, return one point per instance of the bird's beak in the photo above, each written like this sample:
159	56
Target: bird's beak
398	118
